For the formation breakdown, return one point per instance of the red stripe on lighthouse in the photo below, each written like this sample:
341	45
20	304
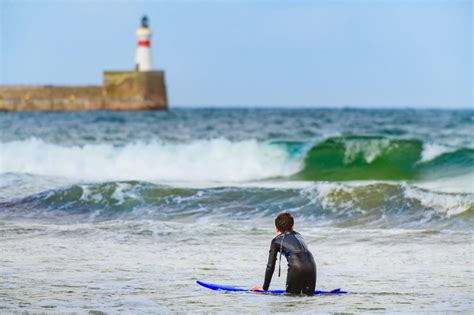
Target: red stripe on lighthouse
144	43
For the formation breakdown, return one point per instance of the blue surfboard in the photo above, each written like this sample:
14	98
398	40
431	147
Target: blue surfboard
244	289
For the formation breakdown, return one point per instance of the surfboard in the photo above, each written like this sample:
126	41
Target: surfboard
244	289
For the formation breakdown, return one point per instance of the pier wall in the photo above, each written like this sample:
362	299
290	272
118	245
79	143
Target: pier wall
122	90
125	90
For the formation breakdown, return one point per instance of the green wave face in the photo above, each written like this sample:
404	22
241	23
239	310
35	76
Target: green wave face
362	158
448	164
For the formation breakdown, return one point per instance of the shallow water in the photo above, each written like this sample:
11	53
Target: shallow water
123	212
150	266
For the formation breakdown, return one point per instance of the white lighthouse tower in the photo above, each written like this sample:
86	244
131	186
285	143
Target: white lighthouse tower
143	55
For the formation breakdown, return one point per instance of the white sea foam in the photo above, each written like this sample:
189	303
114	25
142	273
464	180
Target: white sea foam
346	195
204	160
326	194
372	148
458	184
369	148
450	204
433	150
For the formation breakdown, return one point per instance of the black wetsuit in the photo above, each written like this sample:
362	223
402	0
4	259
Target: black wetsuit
301	276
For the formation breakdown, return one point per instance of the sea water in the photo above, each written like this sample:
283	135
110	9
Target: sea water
123	212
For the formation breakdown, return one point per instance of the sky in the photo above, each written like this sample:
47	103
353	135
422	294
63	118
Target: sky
253	53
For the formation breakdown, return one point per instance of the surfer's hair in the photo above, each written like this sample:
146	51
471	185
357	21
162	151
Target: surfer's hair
284	222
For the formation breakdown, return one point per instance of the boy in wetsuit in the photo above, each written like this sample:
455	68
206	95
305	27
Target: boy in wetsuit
301	276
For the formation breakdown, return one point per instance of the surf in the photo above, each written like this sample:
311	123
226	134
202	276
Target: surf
372	205
348	158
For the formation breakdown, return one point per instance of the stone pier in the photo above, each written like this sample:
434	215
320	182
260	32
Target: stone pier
121	90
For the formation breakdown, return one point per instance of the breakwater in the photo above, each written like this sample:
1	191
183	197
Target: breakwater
121	91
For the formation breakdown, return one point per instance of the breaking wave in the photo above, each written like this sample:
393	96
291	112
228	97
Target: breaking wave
377	158
207	160
377	205
220	160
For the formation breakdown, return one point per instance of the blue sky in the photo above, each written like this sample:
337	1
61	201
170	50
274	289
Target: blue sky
247	53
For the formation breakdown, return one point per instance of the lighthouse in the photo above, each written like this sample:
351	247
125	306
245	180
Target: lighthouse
123	90
143	55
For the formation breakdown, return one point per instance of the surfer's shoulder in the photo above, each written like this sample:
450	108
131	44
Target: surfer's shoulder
277	237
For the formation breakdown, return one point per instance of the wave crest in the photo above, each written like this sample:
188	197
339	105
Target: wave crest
377	205
348	158
206	160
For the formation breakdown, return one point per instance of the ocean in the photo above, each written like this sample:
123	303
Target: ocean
122	212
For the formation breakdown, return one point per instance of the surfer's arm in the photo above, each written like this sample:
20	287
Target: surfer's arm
272	255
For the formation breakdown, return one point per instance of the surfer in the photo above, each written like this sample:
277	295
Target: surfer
301	277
